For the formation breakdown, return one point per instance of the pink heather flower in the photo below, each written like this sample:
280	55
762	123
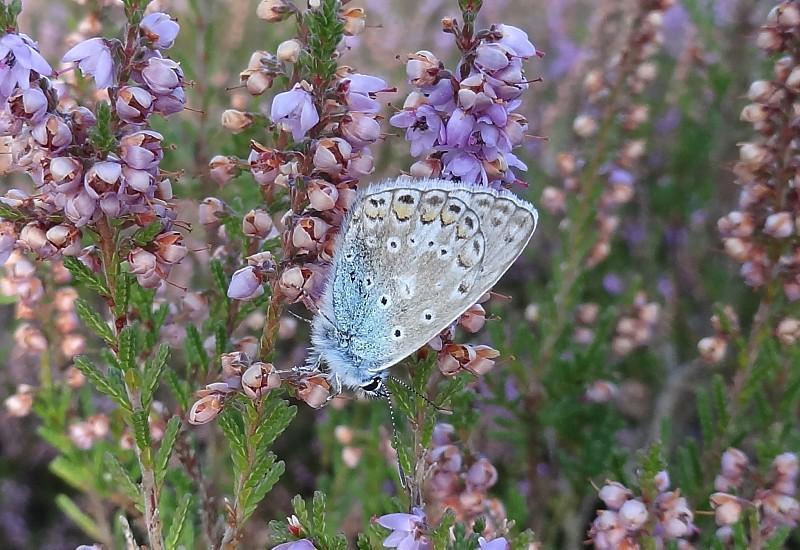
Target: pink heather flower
160	29
245	284
516	40
302	544
134	104
499	543
93	57
19	56
407	531
295	111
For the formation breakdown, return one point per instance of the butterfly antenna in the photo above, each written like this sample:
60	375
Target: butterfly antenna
298	316
396	441
439	408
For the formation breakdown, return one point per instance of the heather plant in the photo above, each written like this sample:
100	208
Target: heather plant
173	180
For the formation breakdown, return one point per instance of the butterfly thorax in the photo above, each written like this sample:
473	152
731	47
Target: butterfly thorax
336	352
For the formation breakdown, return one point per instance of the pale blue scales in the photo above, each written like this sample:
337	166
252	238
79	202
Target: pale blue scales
412	256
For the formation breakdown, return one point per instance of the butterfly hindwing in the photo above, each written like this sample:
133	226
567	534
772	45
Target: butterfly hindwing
413	256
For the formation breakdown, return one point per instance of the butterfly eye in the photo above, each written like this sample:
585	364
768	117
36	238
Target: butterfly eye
372	386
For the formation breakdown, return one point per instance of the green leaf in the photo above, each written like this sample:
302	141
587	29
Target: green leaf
122	293
10	213
232	425
264	475
146	234
167	445
102	134
127	349
91	318
180	389
220	279
79	517
152	375
122	480
83	275
74	474
318	512
178	522
141	429
108	385
195	349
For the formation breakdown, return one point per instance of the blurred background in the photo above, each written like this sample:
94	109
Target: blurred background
664	248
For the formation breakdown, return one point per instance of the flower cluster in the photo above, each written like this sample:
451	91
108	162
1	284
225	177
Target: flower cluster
634	69
326	132
241	375
628	518
89	169
636	327
777	505
454	357
762	233
461	484
463	121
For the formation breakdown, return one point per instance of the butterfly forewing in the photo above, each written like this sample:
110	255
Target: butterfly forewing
414	256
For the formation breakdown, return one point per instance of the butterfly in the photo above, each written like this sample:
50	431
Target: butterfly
412	256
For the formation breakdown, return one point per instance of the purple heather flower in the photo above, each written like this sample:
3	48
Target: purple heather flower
19	56
160	29
499	543
7	241
167	104
361	90
423	127
30	104
245	284
516	40
464	166
302	544
93	57
492	57
295	111
459	128
162	76
80	208
407	531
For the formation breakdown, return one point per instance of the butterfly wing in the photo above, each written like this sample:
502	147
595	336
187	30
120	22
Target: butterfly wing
413	256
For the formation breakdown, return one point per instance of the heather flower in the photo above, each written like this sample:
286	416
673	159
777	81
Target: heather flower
499	543
424	128
516	40
245	284
361	90
408	530
134	104
94	58
29	104
160	29
162	76
302	544
19	57
294	111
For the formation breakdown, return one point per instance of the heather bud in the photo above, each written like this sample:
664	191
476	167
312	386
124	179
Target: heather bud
274	10
289	51
258	379
712	349
223	169
236	121
788	331
633	514
257	224
355	21
206	409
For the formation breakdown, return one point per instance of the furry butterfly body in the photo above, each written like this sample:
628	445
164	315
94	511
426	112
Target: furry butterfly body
412	256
